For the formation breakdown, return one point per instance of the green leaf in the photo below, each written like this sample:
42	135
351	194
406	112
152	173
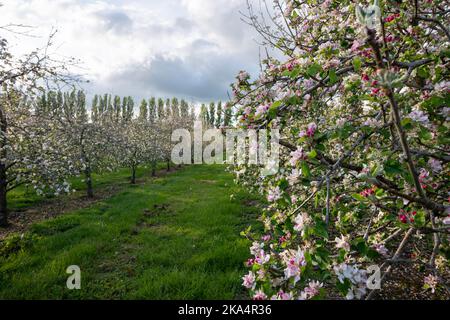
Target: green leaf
407	123
372	254
314	69
419	219
408	177
286	73
423	72
276	104
272	113
333	77
343	287
307	257
435	102
425	134
312	154
320	229
295	73
357	63
358	197
305	170
392	167
360	245
283	184
341	256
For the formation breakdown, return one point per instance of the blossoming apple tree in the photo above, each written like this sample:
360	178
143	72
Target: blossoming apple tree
362	104
29	148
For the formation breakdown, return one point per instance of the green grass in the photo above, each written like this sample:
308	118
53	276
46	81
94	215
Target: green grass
24	197
175	237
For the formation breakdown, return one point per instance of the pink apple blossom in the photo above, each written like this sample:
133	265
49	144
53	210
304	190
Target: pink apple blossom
294	260
249	280
259	295
296	156
431	282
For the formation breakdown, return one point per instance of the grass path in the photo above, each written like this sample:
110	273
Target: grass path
26	207
176	237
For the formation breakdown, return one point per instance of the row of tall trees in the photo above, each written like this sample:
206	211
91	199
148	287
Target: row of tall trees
112	136
52	136
154	109
48	136
216	116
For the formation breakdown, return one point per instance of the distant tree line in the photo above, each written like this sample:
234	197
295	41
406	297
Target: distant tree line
216	115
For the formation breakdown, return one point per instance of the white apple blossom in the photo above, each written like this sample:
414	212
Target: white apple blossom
301	220
435	165
274	194
419	116
357	278
342	243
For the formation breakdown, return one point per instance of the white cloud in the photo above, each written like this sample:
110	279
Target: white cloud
189	48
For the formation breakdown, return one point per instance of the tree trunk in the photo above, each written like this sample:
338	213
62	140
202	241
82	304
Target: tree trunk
168	165
90	190
3	203
133	175
3	176
153	171
87	170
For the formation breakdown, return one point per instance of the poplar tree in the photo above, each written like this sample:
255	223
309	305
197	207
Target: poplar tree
204	114
152	110
168	110
212	111
94	109
41	105
184	109
52	104
81	112
193	115
228	115
117	108
143	110
59	102
124	108
175	107
161	113
69	104
104	107
130	109
219	118
110	108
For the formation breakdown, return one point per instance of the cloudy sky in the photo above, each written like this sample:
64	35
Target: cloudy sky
186	48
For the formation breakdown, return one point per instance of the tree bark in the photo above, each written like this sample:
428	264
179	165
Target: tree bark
87	170
133	175
3	175
89	188
168	165
153	170
3	191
